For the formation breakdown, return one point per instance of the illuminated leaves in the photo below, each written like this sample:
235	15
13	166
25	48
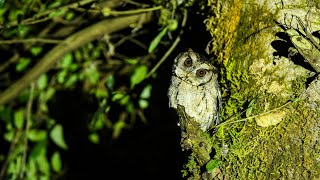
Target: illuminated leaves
19	118
56	162
138	75
155	42
212	164
22	64
56	136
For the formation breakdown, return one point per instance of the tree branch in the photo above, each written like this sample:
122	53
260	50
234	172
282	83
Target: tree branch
69	44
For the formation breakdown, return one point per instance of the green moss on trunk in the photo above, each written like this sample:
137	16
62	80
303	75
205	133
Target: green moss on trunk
288	146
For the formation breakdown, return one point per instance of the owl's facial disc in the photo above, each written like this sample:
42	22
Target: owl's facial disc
192	69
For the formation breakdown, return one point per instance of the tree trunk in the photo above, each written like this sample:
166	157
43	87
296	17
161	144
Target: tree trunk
270	116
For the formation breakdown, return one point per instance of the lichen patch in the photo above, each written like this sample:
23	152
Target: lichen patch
270	119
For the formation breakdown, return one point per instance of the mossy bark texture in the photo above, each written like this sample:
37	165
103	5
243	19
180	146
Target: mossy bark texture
270	125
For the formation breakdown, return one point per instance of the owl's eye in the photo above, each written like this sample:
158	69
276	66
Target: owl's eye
188	62
201	72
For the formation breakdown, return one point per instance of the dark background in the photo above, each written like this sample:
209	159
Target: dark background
147	151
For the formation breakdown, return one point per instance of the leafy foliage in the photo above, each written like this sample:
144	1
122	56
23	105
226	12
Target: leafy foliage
112	78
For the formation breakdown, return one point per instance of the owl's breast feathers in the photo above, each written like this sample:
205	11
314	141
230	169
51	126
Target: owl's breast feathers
198	101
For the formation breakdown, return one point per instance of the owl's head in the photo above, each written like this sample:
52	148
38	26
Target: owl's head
192	68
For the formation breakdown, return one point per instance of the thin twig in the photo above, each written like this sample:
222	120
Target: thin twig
136	3
109	12
37	21
28	122
138	43
164	57
30	40
173	46
255	116
135	11
69	44
47	12
131	38
13	59
9	154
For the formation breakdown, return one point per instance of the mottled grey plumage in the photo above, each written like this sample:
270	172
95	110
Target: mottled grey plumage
194	86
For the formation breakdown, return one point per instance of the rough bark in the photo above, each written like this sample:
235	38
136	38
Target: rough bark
270	118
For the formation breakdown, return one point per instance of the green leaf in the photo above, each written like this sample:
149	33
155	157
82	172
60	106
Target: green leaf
101	93
44	177
96	53
143	104
62	76
296	99
132	61
212	164
49	93
5	113
56	161
43	163
37	150
120	97
2	16
56	135
94	138
54	4
9	126
37	135
19	118
23	30
130	107
125	100
90	46
78	55
57	13
250	107
8	136
110	82
14	167
173	25
155	42
99	123
92	75
146	92
66	60
106	11
42	82
14	13
71	80
73	67
138	75
69	16
2	3
117	128
36	50
117	95
22	64
24	96
31	173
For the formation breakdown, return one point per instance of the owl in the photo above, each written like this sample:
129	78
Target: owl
194	86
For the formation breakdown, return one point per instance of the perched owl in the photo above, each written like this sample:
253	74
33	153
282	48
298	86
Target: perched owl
194	86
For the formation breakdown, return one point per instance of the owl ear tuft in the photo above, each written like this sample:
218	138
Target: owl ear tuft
189	50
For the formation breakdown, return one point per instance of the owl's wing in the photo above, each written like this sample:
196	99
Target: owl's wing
186	120
183	117
173	92
219	104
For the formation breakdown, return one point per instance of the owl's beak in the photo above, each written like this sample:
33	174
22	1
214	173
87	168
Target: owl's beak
188	74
